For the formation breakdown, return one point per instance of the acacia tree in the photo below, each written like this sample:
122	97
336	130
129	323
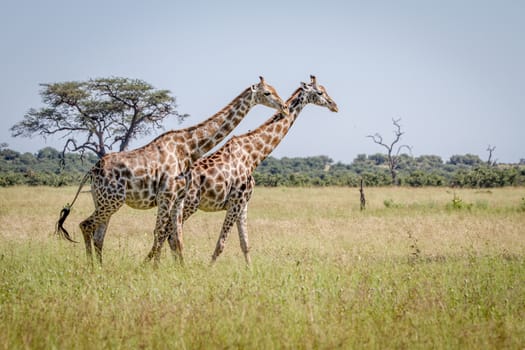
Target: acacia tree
98	115
392	153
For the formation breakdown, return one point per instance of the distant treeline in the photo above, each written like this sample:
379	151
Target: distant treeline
429	170
45	168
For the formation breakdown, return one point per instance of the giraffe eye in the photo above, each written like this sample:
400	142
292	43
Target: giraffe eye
319	93
267	93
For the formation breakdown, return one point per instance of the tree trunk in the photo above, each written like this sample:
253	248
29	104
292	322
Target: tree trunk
362	197
393	173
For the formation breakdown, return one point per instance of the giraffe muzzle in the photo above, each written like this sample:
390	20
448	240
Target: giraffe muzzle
333	107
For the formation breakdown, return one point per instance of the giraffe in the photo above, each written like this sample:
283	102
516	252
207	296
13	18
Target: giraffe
150	176
224	181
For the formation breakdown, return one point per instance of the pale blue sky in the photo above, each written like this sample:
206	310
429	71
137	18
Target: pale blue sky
454	71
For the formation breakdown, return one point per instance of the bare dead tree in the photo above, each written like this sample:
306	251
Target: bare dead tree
392	152
362	198
491	149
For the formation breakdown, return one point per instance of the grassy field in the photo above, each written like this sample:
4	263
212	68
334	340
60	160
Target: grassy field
419	268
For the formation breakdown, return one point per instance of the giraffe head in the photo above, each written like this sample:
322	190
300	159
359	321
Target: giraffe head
317	94
265	94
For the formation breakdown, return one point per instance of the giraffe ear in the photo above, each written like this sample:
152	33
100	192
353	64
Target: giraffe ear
304	85
254	87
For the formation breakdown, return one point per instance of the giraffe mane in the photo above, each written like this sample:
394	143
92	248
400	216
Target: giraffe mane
192	128
296	92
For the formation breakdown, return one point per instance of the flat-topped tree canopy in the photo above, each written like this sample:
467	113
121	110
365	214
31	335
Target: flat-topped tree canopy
98	115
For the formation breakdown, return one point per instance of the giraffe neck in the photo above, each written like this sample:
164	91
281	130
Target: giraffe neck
207	134
191	143
268	136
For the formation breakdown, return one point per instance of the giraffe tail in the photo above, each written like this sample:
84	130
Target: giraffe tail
64	213
60	230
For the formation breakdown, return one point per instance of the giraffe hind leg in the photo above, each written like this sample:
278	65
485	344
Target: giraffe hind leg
87	228
231	217
94	230
108	196
98	239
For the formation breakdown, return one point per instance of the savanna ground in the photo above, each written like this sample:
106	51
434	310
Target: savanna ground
419	268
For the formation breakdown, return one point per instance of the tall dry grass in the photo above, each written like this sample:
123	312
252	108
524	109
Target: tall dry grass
414	270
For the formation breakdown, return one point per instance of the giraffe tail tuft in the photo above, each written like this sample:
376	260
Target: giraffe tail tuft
59	227
60	230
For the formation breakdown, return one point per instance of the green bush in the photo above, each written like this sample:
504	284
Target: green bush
389	203
457	204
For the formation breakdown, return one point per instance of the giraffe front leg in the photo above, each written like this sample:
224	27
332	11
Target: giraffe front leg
243	217
175	225
160	236
151	253
162	228
175	237
189	207
231	217
176	245
155	249
243	233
